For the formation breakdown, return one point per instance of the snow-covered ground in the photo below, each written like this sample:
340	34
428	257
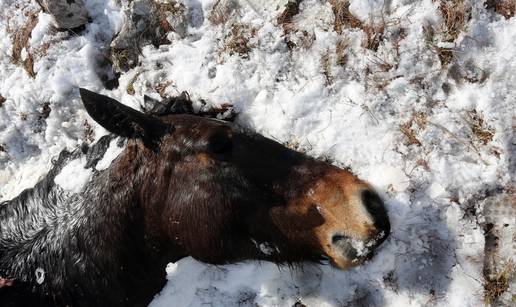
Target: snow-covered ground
420	106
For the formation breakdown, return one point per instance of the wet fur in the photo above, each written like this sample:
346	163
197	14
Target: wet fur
207	190
109	244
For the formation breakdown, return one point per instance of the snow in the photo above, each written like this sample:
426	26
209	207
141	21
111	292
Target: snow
40	275
111	153
350	114
74	177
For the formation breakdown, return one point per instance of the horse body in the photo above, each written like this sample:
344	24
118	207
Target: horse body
79	249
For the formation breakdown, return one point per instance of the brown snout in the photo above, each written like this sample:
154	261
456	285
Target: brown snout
352	248
355	219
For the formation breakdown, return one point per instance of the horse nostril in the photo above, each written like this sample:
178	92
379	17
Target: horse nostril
344	244
336	238
376	209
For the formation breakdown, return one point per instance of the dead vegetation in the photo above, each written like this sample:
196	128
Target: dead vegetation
238	40
374	29
408	129
20	39
326	63
299	39
495	285
222	11
482	132
294	37
374	34
444	54
341	52
89	133
45	111
2	100
343	17
161	88
506	8
42	115
338	57
130	86
169	11
456	14
285	18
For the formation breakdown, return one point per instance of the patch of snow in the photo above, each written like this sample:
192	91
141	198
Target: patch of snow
111	154
40	275
74	177
350	113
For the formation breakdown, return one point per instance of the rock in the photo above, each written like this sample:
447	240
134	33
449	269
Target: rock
67	14
499	214
146	22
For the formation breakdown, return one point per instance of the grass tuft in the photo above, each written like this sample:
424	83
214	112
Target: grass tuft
222	11
237	41
161	88
477	124
89	133
130	86
169	8
291	10
343	17
341	52
374	34
497	285
506	8
20	40
407	129
455	14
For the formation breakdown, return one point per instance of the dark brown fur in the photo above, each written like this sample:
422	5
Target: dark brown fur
192	186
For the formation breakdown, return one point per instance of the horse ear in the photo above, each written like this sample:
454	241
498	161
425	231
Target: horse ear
123	120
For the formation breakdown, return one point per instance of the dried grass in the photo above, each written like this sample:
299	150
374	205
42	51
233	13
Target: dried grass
408	130
445	55
326	64
222	11
374	32
89	133
455	14
340	51
506	8
161	88
343	17
483	133
165	8
497	285
237	41
130	86
20	40
285	18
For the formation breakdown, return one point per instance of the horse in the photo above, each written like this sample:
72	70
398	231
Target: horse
185	185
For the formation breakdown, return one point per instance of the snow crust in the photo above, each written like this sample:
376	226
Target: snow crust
350	114
74	177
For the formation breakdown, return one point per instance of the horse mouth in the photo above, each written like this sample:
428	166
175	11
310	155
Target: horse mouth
349	251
